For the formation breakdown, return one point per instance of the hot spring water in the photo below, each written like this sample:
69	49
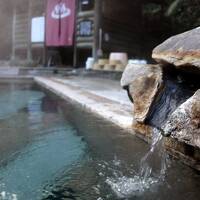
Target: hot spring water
49	151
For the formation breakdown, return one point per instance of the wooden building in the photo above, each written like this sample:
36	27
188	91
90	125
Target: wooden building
108	26
15	35
23	13
23	47
131	26
101	26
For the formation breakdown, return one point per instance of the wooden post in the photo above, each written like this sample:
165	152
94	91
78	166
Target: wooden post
44	44
75	35
97	27
13	33
29	43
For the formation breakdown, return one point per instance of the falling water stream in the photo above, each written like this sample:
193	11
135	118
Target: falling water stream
151	171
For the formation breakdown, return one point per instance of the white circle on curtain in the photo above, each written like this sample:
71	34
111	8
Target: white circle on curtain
60	11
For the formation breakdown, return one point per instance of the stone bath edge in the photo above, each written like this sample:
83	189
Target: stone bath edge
109	111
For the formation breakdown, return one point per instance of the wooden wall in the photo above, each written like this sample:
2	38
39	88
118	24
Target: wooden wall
121	27
18	35
121	24
5	29
21	30
135	26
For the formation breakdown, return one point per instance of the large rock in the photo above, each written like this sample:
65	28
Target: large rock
143	83
184	123
182	50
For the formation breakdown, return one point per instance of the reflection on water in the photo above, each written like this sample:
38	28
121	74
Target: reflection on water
40	162
10	103
51	150
48	146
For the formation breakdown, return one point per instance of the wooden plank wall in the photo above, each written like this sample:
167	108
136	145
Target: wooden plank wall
38	8
6	29
121	27
22	29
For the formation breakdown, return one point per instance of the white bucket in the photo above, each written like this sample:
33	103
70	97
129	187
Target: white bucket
122	57
89	63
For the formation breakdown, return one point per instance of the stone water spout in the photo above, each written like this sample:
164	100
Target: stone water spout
144	83
166	96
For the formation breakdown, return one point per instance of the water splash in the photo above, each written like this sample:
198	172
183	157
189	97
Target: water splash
7	196
125	187
152	170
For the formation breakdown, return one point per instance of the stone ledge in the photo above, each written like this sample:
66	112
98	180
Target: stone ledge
184	152
107	109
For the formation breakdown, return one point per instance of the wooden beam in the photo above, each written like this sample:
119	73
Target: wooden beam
97	27
13	33
45	50
29	45
75	53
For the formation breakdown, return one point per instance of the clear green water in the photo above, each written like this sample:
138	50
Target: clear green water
37	144
52	150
